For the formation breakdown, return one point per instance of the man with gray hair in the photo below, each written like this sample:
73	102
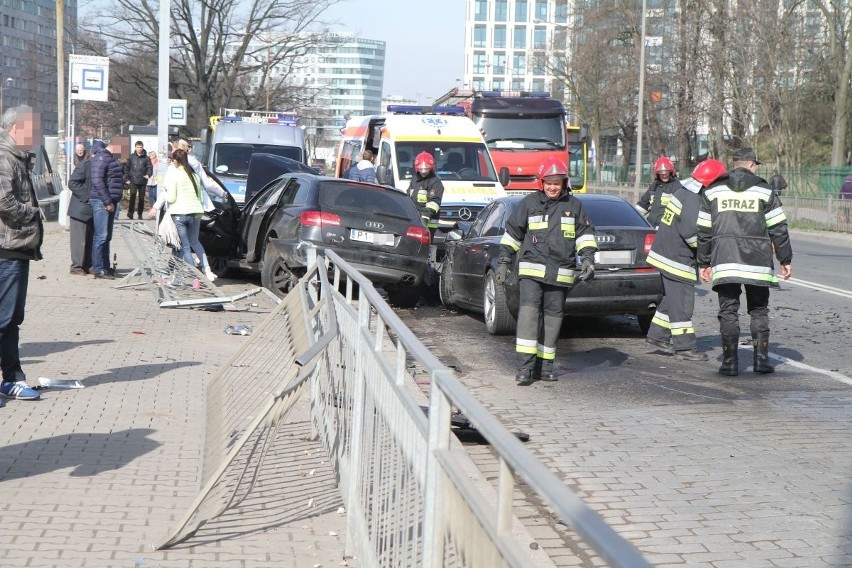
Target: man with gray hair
21	235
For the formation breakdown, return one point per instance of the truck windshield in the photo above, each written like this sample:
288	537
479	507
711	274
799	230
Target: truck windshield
522	132
453	160
233	159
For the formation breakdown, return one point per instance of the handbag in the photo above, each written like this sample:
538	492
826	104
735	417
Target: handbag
167	231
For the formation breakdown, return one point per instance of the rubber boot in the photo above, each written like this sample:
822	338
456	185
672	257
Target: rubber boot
524	377
761	353
730	359
546	372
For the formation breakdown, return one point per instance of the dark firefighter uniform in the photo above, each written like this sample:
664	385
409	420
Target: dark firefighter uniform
739	224
673	253
548	235
653	202
426	193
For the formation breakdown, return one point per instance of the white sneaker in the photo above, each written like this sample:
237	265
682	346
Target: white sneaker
210	276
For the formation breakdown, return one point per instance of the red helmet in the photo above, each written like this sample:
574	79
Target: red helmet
553	167
424	159
663	164
707	171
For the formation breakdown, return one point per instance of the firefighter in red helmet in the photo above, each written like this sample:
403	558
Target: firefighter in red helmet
426	190
549	231
673	253
653	201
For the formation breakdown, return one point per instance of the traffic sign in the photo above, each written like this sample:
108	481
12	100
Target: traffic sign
89	77
177	112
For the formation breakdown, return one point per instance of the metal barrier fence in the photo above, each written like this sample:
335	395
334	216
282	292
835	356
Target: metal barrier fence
410	497
47	188
803	211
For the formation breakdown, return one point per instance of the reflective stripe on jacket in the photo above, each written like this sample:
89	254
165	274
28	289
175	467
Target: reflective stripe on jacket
427	193
740	223
674	248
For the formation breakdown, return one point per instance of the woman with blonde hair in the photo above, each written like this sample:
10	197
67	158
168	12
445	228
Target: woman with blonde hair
152	180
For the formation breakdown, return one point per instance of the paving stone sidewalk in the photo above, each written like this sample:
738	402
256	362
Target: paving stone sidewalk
94	477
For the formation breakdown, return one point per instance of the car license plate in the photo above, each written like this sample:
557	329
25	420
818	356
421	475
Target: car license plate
614	257
370	237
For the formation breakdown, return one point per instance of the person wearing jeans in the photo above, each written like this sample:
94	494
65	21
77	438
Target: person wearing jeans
107	183
21	235
103	219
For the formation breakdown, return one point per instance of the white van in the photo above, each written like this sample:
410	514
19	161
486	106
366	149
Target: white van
462	160
236	138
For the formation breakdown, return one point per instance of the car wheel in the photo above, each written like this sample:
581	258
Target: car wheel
445	287
404	296
219	265
645	322
498	319
274	274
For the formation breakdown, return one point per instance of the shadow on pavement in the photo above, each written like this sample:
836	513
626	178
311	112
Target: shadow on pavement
89	453
42	348
135	372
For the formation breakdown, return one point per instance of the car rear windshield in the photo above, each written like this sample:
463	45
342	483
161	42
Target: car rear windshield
613	213
351	197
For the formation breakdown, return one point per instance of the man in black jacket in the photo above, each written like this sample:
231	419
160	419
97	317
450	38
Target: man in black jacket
80	212
740	223
139	169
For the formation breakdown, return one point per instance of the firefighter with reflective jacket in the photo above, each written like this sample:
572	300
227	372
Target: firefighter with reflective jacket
549	230
740	222
426	190
653	202
673	253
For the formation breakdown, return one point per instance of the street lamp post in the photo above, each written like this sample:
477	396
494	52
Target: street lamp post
3	87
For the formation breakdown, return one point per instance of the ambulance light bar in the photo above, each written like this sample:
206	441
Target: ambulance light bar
414	109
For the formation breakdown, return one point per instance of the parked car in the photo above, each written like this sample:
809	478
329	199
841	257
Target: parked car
624	282
376	229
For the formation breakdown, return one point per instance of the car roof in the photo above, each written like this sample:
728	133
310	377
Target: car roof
597	198
581	196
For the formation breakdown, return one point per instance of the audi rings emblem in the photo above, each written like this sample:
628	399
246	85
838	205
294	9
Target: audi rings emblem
465	214
375	225
605	238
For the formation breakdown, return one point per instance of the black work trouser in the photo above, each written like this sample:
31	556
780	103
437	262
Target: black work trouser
673	319
139	190
539	322
757	303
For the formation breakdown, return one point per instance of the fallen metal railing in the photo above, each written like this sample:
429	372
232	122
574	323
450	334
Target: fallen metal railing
173	282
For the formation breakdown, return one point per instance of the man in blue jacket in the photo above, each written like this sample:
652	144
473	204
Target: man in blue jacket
107	185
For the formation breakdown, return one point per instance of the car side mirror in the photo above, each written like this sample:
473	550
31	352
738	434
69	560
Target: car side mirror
221	169
382	175
504	177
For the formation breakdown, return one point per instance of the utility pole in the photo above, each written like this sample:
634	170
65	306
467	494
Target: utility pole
59	162
641	120
163	88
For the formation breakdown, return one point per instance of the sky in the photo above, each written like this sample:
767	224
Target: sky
424	41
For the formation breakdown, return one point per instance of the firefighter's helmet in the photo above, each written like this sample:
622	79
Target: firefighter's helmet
663	164
708	171
424	163
553	167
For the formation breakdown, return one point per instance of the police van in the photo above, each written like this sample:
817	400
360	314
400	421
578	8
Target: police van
462	160
239	134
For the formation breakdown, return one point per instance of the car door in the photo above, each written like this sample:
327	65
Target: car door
476	249
256	215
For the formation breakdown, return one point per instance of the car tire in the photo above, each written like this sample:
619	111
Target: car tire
219	265
445	287
495	309
404	296
645	322
274	274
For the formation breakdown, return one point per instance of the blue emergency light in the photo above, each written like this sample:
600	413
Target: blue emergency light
281	119
414	109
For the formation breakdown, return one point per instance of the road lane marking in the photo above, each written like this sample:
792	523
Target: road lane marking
821	287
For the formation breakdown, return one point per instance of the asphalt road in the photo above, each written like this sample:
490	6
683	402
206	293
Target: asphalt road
691	466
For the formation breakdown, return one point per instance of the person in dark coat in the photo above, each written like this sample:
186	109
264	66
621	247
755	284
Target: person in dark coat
80	213
107	183
139	171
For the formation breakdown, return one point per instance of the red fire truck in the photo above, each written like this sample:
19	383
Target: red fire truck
521	129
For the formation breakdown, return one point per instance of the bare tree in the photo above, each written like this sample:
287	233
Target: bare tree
216	45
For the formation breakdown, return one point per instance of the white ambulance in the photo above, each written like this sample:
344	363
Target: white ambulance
462	160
